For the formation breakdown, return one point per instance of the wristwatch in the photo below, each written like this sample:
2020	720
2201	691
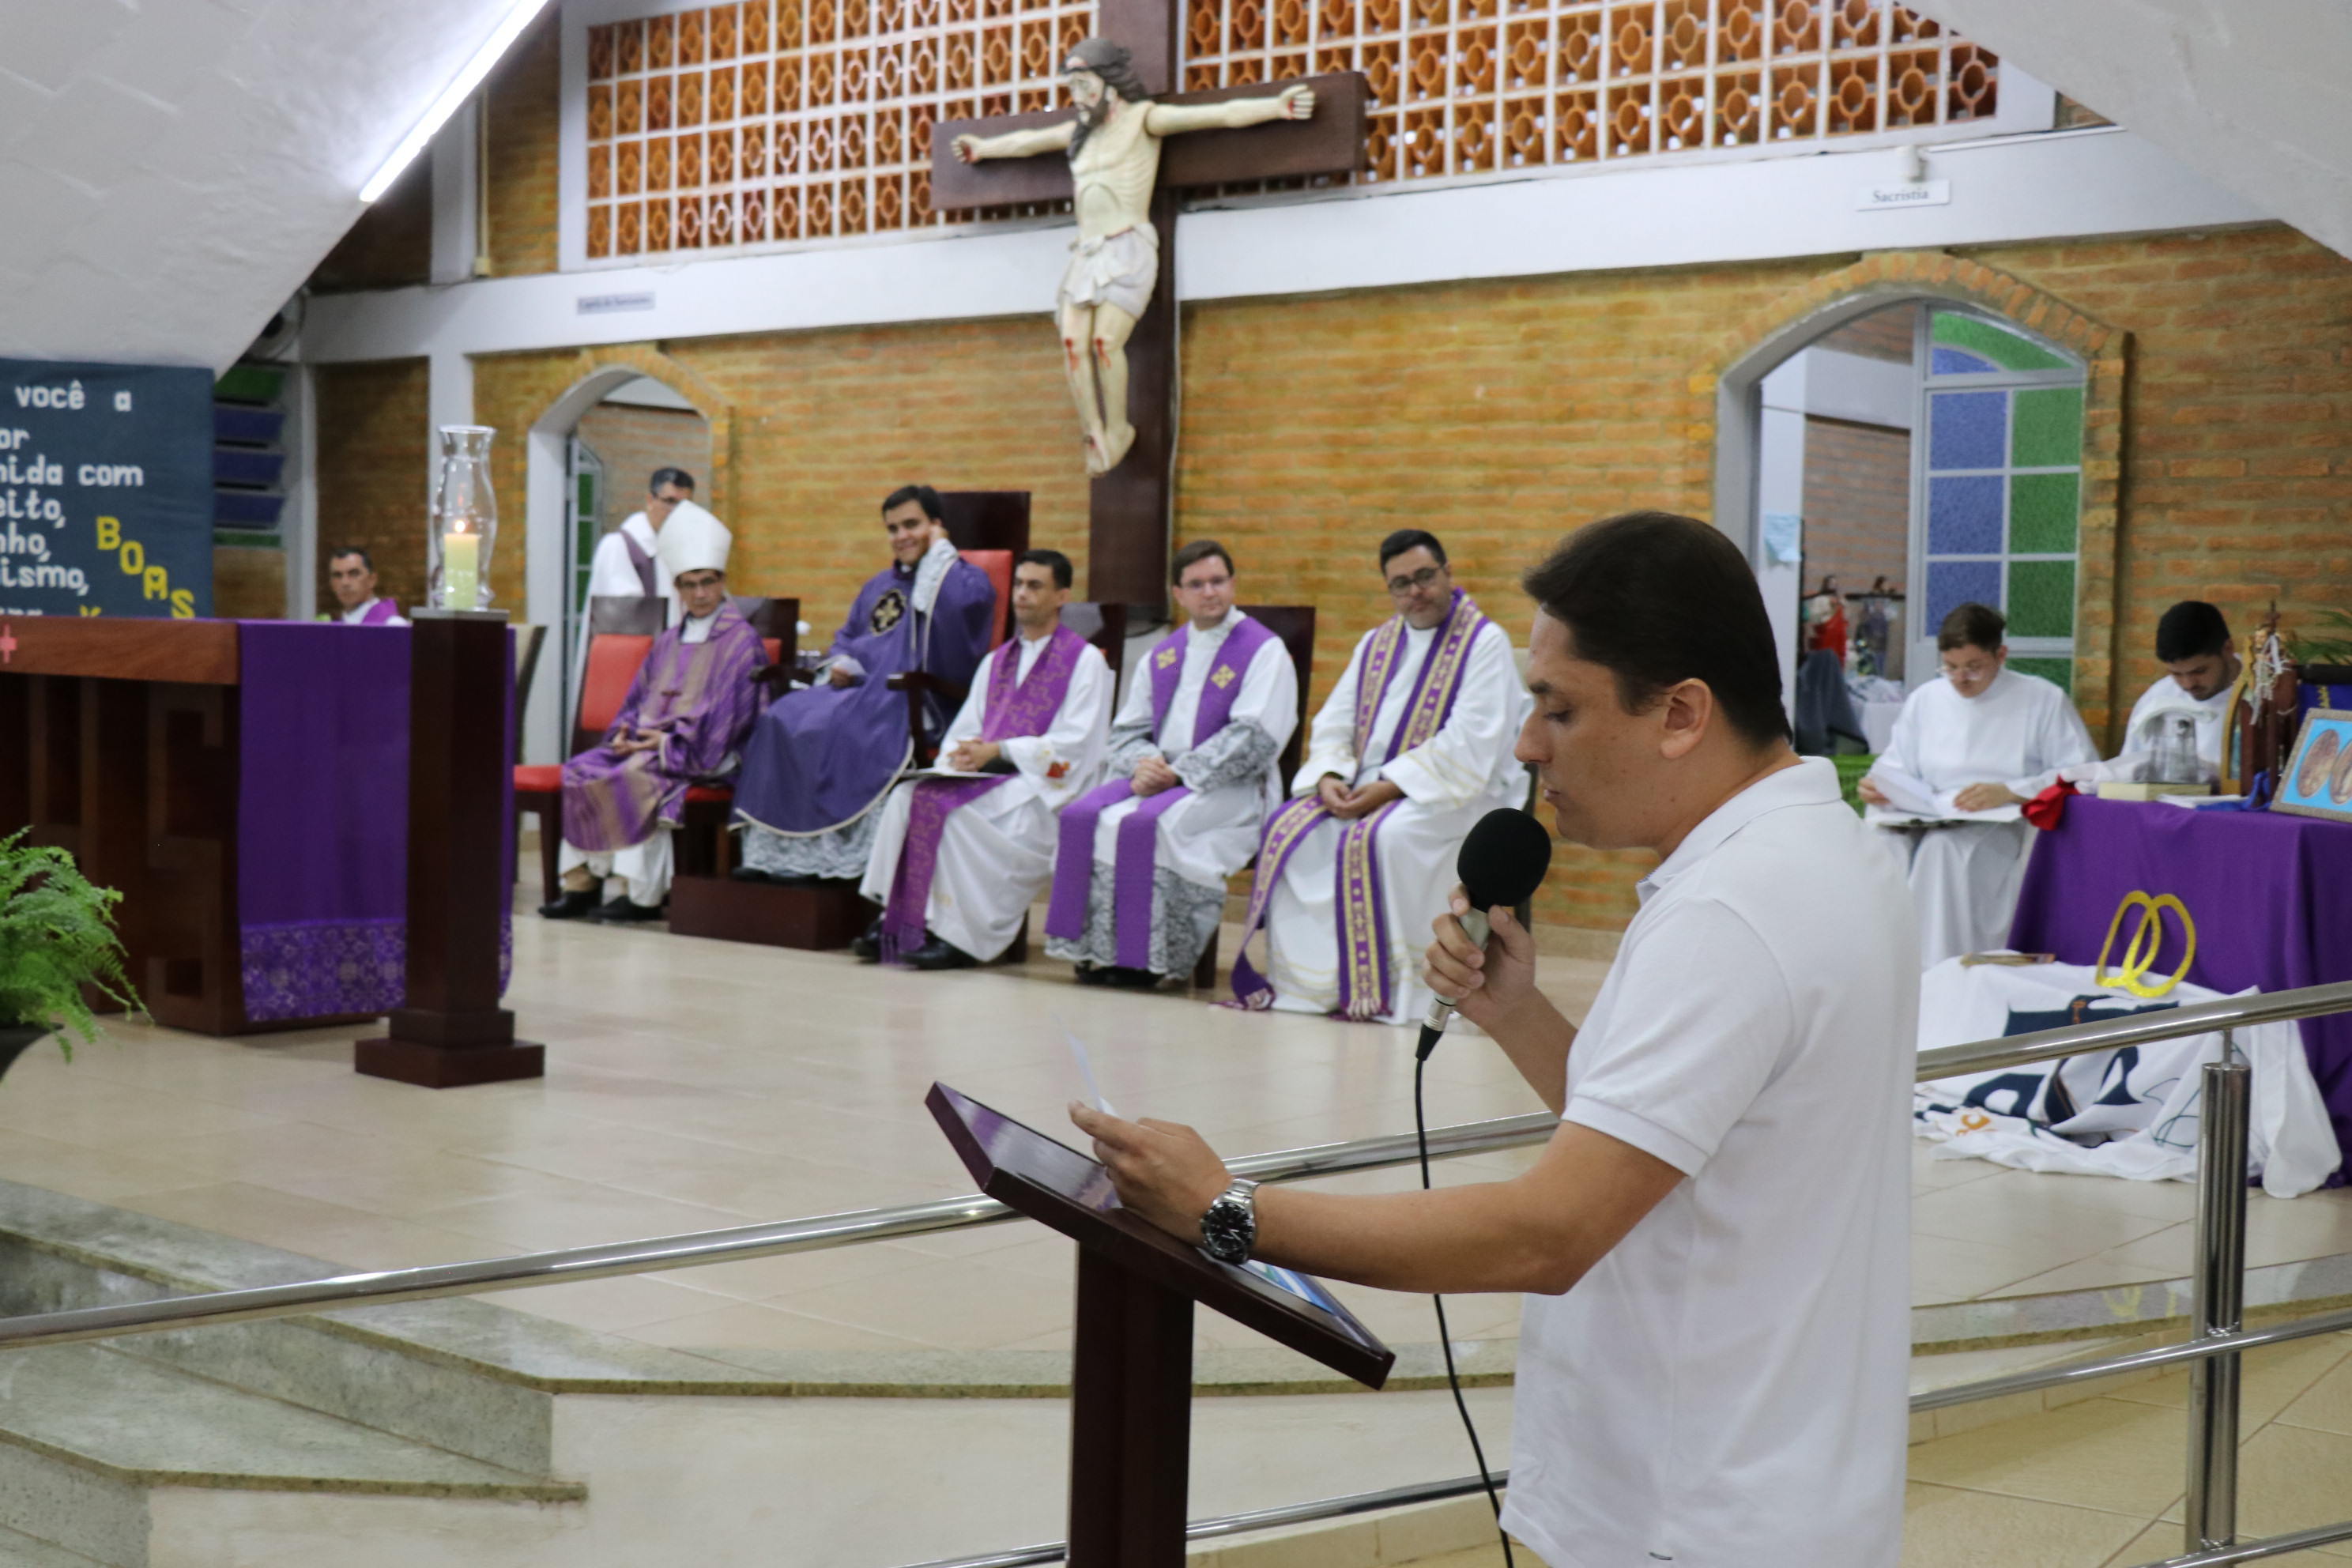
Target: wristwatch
1229	1230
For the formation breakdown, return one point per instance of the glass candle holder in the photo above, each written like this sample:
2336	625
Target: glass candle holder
465	522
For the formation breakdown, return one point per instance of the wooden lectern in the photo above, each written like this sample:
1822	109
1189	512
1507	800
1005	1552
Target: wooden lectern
1131	1386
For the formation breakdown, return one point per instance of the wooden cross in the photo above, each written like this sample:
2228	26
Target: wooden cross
1128	512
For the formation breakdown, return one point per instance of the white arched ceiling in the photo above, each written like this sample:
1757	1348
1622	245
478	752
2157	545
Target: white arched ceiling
2254	94
173	170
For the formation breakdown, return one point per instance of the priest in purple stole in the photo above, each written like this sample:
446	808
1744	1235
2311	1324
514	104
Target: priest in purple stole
821	759
683	720
1413	745
1139	877
956	862
351	574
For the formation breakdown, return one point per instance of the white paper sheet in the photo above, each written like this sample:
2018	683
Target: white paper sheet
1911	801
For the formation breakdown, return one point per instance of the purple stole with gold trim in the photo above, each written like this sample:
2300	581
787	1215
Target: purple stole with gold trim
1012	710
1139	831
1366	986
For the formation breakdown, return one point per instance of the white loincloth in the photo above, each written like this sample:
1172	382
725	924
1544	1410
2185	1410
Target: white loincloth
1120	270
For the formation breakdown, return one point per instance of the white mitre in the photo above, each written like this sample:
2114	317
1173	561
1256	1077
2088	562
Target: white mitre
691	540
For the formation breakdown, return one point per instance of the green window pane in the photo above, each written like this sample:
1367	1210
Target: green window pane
2011	350
2041	513
2060	672
2046	428
2041	598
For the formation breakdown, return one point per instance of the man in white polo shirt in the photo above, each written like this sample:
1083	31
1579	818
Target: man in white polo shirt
1713	1358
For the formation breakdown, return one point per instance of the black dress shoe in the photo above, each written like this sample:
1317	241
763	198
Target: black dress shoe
621	913
867	948
571	906
1091	974
749	874
1120	978
936	954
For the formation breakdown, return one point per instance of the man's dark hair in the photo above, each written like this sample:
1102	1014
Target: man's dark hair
933	508
2190	629
1406	539
678	476
1200	550
1116	65
1972	625
340	551
1655	599
1052	561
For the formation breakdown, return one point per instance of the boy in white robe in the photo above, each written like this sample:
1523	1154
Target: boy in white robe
993	852
1194	761
627	561
1988	739
2200	667
1412	747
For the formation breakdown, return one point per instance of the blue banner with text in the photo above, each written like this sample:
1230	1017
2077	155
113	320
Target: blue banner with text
106	490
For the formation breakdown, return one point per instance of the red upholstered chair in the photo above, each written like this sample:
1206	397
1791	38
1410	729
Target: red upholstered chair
998	565
614	659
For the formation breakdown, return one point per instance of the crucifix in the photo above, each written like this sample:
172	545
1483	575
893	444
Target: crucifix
1115	355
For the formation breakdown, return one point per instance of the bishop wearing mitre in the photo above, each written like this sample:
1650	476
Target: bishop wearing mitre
1412	746
1140	875
683	718
957	861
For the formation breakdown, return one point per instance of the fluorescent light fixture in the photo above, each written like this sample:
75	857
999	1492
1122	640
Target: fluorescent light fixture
455	93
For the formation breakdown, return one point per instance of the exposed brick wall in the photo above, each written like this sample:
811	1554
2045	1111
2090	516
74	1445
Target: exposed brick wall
248	583
372	432
1857	505
1501	414
632	442
523	97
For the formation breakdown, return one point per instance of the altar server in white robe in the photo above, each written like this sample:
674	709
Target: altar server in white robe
1140	871
627	561
956	862
2200	667
1412	747
1994	737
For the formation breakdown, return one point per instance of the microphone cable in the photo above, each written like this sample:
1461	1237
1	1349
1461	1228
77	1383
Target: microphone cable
1445	1336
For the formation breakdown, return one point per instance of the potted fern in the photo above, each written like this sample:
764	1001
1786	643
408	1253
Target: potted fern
57	937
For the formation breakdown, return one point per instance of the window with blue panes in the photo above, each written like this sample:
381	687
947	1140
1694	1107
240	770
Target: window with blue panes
2001	485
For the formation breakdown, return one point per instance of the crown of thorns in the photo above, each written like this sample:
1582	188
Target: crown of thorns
1115	63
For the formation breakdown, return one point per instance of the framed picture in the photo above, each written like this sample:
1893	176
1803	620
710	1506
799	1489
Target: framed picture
2317	779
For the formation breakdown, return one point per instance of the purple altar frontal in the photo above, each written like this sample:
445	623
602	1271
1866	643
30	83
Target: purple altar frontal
322	821
2270	896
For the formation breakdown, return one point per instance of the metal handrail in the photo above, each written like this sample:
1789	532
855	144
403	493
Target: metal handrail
2137	1029
735	1244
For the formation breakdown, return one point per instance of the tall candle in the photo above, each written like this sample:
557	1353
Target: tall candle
461	558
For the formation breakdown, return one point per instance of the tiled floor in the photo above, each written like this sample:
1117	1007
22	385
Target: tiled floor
2100	1483
694	1085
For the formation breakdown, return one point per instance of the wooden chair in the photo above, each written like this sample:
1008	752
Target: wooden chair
989	520
1103	625
703	841
1294	625
528	641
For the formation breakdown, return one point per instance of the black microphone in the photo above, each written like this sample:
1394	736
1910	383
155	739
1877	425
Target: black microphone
1503	861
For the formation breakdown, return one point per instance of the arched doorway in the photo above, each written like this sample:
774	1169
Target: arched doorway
1897	457
590	457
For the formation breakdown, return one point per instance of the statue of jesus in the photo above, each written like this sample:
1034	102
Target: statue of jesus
1114	147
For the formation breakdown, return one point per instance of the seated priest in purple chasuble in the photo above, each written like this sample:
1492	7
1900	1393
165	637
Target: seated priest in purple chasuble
1140	875
821	761
1412	746
684	720
958	862
351	577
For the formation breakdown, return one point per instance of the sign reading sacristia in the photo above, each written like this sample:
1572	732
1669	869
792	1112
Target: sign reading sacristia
106	490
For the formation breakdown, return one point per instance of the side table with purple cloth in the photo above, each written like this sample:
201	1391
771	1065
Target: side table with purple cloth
2271	895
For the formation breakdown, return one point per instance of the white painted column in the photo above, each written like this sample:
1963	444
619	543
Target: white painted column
539	518
1781	489
297	525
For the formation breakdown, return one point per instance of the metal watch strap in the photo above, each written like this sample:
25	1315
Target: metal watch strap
1229	1228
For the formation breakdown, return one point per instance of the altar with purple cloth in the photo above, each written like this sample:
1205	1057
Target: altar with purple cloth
244	785
2270	896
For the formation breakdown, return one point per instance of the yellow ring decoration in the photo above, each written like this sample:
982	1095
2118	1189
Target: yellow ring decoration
2132	976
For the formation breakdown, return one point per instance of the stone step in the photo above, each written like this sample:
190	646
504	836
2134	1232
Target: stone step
87	1436
23	1551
